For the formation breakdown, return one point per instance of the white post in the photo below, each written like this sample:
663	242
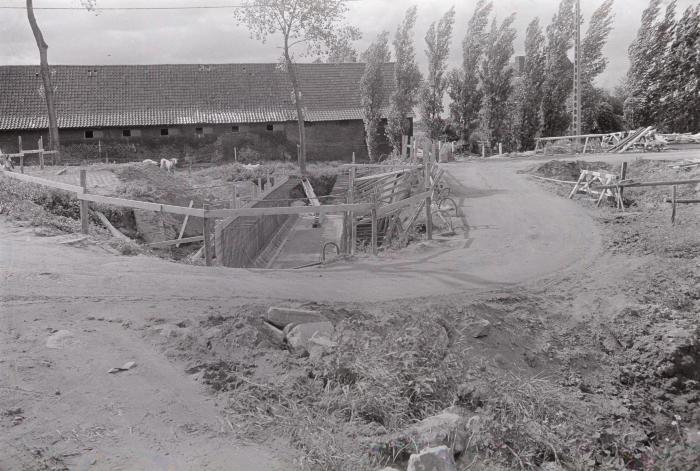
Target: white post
500	148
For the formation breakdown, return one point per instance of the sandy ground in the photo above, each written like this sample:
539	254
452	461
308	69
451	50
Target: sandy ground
73	414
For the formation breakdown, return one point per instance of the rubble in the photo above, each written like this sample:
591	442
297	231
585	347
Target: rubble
280	317
432	459
302	338
450	428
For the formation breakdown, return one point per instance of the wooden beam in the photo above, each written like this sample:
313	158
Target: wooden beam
390	208
633	184
44	182
113	230
679	201
361	208
84	223
134	204
208	256
176	242
184	223
380	175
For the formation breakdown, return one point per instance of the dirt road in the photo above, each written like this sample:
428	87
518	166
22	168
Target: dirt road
70	313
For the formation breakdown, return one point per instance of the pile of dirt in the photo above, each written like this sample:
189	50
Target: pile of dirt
568	170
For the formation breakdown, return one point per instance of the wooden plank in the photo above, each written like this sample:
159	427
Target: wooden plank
633	184
682	201
44	182
184	223
634	140
113	230
176	242
84	223
206	237
146	206
390	208
428	203
380	175
361	208
675	204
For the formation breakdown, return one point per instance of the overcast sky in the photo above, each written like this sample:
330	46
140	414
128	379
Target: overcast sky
212	36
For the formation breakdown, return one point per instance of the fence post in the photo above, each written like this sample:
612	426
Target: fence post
428	201
83	203
41	153
351	216
234	197
623	175
206	235
673	201
375	248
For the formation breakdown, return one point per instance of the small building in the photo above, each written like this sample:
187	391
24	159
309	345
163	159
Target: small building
209	112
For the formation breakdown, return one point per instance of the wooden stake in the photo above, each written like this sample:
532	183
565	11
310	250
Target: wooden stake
375	247
234	197
19	144
351	200
428	202
207	241
235	154
41	152
623	176
674	202
84	224
184	224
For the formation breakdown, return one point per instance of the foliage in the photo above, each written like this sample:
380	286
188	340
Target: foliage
438	48
464	87
371	91
663	79
319	25
533	82
559	81
408	80
496	78
593	63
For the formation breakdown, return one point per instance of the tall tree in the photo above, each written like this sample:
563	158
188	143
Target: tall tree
496	78
533	81
372	91
593	62
642	52
438	49
54	140
407	78
682	93
319	25
464	83
559	80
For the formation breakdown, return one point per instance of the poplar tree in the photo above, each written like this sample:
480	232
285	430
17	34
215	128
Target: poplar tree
496	77
593	62
407	78
682	95
464	89
559	79
533	81
372	91
438	48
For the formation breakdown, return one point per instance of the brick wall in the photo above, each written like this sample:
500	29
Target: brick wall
332	140
239	242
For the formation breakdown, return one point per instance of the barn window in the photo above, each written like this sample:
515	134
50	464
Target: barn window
126	132
235	128
89	134
270	127
199	131
164	132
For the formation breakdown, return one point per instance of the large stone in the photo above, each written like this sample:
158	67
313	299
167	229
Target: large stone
479	328
449	428
302	338
432	459
282	316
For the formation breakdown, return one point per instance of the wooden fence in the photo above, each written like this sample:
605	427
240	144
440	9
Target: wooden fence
82	194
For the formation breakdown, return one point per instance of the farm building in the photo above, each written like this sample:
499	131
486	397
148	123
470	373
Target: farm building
205	112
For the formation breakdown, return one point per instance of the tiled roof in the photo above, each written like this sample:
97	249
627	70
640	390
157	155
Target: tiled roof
159	95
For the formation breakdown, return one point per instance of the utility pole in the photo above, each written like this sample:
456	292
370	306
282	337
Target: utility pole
576	123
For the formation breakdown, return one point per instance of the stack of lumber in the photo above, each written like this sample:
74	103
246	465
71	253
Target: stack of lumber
686	138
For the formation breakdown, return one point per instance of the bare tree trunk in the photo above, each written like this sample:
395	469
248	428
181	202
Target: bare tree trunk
54	141
300	108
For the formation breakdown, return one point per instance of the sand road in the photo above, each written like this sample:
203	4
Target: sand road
154	416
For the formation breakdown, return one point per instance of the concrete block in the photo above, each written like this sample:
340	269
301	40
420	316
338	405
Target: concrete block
282	316
432	459
305	336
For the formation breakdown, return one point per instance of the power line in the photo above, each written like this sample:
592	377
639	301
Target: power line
191	7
